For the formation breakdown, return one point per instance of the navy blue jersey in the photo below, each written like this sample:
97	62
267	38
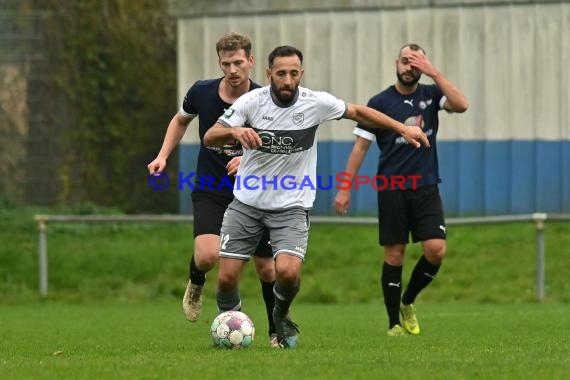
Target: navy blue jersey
397	157
202	100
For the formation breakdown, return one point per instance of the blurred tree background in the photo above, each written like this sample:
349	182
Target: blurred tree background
88	88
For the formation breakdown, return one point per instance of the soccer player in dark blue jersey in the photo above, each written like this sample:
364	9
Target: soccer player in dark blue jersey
412	206
214	177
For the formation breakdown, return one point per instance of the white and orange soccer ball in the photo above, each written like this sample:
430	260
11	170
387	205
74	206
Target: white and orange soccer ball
232	329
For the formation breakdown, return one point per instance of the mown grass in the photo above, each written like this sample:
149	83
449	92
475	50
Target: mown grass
153	341
113	309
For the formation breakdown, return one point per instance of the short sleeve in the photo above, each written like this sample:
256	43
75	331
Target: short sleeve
331	108
364	131
365	134
438	96
239	113
188	107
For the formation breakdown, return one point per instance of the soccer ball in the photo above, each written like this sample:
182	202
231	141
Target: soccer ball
232	329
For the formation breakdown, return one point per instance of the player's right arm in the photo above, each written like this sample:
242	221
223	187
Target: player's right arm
220	135
359	150
229	127
174	133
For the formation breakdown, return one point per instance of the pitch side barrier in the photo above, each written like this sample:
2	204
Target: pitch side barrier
539	219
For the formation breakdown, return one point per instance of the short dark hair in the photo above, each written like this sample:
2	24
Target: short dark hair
284	51
234	41
413	47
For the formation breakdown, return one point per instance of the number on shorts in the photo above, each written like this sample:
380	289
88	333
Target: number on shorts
224	240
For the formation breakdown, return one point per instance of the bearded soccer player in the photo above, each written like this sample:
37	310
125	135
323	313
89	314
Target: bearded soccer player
416	209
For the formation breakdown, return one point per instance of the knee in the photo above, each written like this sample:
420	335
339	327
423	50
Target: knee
206	258
436	253
288	269
287	275
266	270
394	254
227	281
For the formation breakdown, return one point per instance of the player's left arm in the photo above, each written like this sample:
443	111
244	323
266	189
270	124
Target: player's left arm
456	101
370	117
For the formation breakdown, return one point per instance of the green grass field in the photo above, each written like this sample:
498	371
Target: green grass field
154	341
113	310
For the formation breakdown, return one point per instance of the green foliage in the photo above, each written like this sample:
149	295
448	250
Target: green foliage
116	68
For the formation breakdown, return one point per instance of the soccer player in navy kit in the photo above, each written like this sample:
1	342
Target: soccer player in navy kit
280	142
216	168
417	209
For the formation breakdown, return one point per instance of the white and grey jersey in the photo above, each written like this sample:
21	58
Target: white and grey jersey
276	176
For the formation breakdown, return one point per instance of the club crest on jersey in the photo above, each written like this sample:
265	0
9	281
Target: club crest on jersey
229	112
423	105
298	118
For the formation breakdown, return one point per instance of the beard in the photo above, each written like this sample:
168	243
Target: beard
281	96
410	82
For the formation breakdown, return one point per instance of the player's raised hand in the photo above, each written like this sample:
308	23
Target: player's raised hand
420	62
247	137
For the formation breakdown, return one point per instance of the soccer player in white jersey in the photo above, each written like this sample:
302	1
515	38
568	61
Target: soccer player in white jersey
276	125
207	100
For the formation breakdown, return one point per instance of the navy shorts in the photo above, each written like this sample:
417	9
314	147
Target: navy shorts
416	212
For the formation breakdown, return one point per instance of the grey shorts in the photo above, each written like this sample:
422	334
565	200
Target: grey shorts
243	227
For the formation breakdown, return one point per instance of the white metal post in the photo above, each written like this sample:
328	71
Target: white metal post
539	220
42	256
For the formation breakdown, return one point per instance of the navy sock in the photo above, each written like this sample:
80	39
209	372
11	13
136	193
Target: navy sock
269	299
196	275
424	272
391	283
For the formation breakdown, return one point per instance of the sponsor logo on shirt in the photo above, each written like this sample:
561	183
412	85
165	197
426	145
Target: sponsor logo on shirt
229	112
286	141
